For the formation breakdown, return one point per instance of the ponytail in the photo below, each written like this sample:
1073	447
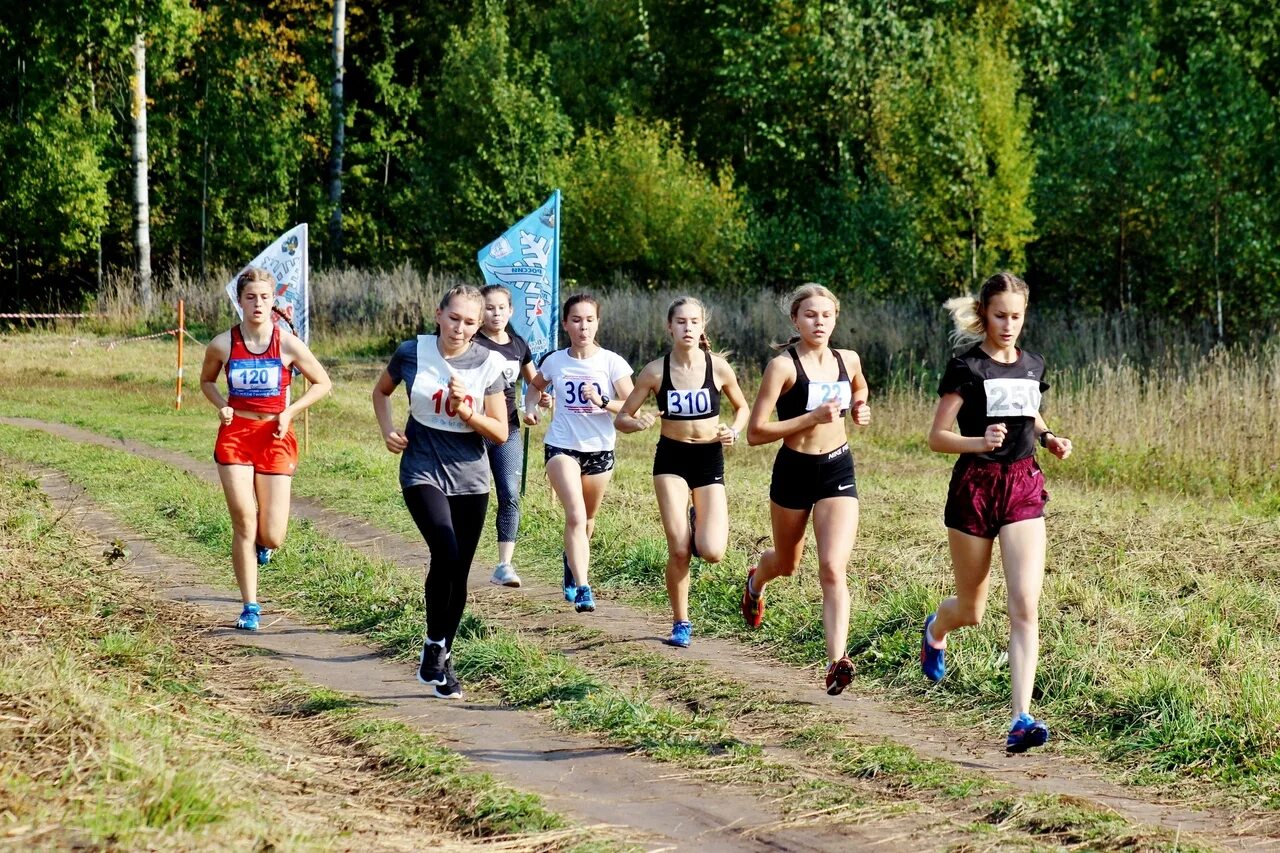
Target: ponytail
969	314
966	317
795	339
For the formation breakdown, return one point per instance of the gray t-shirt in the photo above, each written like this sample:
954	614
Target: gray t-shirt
453	462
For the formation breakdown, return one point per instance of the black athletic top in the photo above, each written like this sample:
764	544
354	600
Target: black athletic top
678	404
994	392
516	354
807	395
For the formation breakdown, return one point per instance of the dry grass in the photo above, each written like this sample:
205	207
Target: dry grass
122	723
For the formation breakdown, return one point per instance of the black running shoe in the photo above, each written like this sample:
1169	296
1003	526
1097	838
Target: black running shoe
451	689
433	664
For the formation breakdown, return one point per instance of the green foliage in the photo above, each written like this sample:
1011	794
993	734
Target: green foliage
1121	155
952	139
500	129
647	207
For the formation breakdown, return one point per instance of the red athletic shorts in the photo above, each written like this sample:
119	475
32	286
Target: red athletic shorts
985	496
246	441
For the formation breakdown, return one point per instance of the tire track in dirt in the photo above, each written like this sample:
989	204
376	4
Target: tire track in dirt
868	716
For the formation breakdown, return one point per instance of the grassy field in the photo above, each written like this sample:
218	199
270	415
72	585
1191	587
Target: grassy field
122	725
1161	603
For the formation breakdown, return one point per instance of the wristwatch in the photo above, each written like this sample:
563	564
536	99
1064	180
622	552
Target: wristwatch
604	401
1044	437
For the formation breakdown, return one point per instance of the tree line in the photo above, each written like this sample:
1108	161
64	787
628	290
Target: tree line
1122	154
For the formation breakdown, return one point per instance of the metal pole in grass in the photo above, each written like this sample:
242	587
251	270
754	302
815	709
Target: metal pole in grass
181	334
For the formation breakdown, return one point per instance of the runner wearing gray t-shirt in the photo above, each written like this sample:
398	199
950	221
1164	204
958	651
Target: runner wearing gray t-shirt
457	399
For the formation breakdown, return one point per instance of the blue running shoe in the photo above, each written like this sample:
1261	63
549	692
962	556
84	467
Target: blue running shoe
570	588
681	635
248	620
932	661
1026	733
264	554
584	601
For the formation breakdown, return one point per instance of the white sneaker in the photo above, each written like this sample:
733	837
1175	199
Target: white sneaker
505	575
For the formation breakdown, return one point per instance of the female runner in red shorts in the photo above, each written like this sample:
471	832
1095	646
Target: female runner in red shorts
991	392
256	451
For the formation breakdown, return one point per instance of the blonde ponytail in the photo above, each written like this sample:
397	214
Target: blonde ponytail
966	317
969	314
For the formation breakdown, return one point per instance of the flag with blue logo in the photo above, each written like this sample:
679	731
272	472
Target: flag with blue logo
286	259
526	260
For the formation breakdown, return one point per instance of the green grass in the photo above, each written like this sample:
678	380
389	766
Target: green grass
111	736
1157	618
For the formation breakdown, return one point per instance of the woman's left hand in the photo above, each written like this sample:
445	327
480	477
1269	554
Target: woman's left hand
726	435
283	420
861	412
1058	446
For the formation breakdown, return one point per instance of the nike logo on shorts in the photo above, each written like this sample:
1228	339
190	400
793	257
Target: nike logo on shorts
845	486
717	479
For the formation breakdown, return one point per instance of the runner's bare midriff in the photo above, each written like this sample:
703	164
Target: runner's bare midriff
705	431
256	416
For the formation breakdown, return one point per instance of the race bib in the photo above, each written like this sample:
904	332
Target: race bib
254	377
689	403
821	392
573	395
1012	398
510	370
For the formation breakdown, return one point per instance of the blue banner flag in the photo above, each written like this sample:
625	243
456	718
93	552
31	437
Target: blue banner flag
526	260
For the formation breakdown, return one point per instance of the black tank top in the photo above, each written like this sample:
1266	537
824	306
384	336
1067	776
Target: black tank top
688	405
805	396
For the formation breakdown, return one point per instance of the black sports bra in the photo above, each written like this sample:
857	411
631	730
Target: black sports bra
696	404
806	395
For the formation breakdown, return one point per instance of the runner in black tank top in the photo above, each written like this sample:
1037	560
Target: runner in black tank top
689	461
812	386
992	392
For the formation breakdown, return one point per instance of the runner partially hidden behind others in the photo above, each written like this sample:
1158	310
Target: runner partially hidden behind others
256	451
456	401
992	392
506	458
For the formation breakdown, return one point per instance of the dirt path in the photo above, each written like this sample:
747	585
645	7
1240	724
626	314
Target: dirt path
597	785
869	716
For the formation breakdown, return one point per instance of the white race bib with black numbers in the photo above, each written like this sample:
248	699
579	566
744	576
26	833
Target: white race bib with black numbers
820	392
686	403
1012	398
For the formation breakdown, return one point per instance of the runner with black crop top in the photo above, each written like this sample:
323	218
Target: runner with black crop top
256	451
689	462
992	392
813	386
456	401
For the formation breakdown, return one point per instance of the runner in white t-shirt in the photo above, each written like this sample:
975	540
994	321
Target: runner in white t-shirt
590	384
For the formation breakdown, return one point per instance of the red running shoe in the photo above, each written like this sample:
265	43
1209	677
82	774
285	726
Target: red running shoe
839	674
752	605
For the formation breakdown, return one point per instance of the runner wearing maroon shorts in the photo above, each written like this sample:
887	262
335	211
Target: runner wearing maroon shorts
256	451
992	393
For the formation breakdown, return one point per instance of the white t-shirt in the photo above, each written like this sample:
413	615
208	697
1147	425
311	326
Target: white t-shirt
578	424
429	401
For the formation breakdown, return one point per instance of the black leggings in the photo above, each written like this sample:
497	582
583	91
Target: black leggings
451	525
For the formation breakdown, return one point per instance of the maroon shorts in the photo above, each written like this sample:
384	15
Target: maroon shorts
985	496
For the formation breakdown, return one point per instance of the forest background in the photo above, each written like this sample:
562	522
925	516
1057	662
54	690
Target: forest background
1123	154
